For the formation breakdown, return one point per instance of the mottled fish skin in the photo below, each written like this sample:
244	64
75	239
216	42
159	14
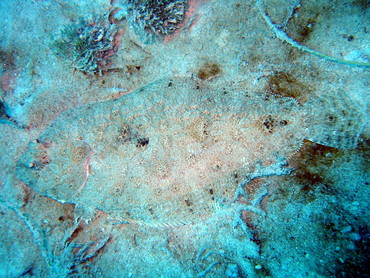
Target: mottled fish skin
166	153
336	120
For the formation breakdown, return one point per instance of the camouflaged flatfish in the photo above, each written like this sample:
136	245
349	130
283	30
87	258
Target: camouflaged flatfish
167	153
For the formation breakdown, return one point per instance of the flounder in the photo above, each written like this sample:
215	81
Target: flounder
171	151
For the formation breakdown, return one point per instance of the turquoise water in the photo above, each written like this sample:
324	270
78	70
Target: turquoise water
184	138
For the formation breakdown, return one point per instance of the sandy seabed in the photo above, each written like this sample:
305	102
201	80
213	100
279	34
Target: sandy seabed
311	222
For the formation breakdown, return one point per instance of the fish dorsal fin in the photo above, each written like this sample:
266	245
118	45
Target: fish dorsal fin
335	121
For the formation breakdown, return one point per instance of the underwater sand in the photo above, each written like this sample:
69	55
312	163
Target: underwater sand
250	159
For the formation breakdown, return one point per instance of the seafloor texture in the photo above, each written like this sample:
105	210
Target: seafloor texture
198	138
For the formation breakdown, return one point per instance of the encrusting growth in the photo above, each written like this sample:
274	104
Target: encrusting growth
87	44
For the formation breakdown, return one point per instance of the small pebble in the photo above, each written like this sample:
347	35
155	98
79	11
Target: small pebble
346	230
232	271
258	267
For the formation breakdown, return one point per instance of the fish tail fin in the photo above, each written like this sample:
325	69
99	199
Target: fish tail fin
335	121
